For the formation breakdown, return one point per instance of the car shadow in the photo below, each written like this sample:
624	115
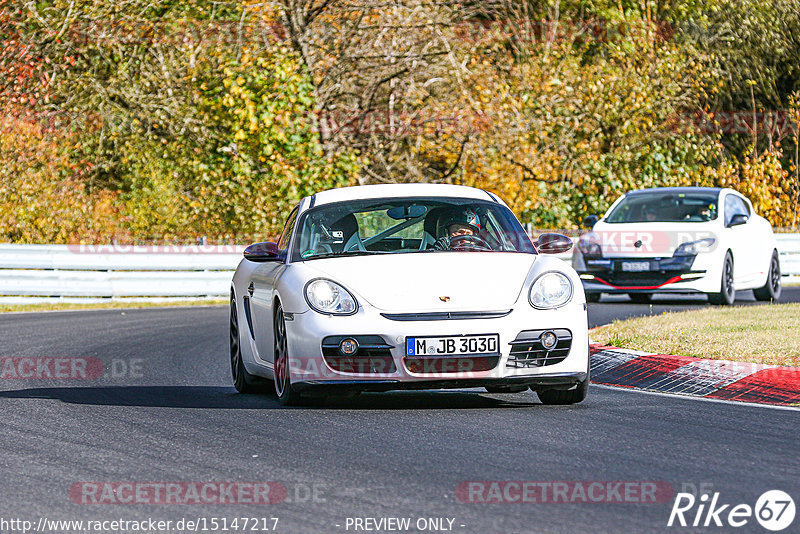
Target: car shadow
430	400
684	300
226	398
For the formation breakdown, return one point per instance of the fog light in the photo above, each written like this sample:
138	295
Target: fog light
348	346
549	340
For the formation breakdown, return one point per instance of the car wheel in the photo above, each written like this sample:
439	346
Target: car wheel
565	396
772	289
592	297
283	376
641	298
243	381
727	294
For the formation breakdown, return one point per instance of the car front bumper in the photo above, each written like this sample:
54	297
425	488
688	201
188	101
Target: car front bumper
682	274
310	363
549	381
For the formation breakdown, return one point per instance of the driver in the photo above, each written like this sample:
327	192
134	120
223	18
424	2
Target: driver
702	213
465	222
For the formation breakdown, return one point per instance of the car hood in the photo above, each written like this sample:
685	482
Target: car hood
432	281
658	239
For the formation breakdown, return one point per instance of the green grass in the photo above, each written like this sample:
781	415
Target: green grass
116	304
765	334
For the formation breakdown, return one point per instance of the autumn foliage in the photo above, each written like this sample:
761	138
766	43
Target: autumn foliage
158	120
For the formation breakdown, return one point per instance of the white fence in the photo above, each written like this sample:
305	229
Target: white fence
31	273
789	249
67	272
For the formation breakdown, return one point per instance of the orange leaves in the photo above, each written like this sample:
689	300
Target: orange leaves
763	180
571	128
41	200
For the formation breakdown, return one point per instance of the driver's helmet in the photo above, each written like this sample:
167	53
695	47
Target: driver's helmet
649	211
466	217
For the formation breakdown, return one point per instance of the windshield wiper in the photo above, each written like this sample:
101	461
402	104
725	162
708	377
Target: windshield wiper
341	254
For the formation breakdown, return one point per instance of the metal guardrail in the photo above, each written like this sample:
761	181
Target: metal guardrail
113	271
71	272
121	257
789	250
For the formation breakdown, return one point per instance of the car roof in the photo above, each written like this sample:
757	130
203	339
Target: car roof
365	192
677	190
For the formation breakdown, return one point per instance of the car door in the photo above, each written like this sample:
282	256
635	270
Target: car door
762	246
262	293
740	239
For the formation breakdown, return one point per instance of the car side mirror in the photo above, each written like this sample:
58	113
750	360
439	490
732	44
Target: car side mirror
553	244
590	221
262	252
739	218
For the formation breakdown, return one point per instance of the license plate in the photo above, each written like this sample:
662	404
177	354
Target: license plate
635	266
452	345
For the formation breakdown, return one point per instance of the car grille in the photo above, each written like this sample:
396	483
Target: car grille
445	316
527	350
638	279
460	364
373	357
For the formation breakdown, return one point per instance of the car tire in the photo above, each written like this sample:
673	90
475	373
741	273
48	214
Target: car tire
593	297
727	294
281	368
641	298
565	396
243	381
771	291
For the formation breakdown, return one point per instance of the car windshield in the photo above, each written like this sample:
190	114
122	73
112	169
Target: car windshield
665	207
400	226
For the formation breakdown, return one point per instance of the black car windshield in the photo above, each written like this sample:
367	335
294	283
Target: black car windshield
406	225
698	206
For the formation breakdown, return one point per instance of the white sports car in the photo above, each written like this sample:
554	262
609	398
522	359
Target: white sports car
408	286
679	240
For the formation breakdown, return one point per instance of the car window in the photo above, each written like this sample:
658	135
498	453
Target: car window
496	232
408	225
734	206
283	241
660	206
372	223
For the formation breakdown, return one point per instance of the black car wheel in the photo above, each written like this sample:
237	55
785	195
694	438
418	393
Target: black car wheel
641	298
565	396
727	294
282	370
772	289
243	381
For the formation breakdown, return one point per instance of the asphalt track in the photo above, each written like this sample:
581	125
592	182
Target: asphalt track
165	411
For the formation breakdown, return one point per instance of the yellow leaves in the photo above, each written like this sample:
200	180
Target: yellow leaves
762	178
44	201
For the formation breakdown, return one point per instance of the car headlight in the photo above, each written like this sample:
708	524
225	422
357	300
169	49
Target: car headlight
589	248
550	290
695	247
329	297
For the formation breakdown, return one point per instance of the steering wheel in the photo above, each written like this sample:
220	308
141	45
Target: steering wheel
468	242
